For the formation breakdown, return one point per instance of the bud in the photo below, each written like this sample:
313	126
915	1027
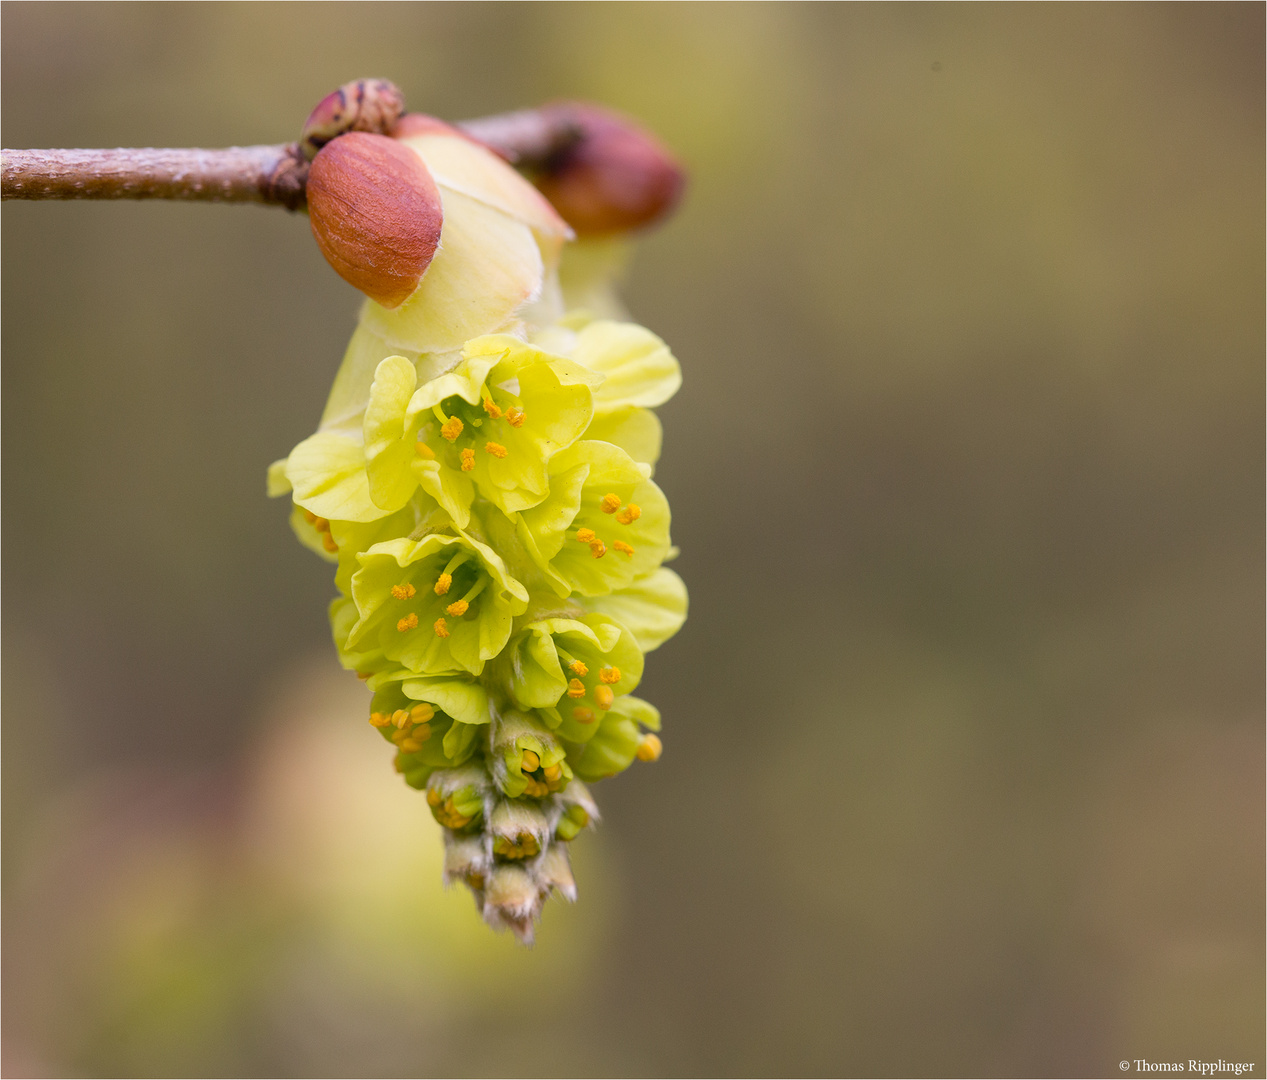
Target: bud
554	871
456	796
528	759
362	105
512	900
615	177
466	860
375	213
519	830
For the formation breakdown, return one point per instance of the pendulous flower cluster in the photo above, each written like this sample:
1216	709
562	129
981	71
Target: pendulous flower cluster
482	480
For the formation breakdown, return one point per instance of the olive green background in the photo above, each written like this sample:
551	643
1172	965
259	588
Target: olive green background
963	767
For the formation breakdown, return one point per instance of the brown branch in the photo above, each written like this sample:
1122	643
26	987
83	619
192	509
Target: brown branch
528	138
272	175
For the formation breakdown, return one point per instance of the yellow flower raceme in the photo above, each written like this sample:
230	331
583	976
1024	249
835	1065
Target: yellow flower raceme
481	480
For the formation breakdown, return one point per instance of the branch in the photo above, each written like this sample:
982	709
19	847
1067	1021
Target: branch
272	175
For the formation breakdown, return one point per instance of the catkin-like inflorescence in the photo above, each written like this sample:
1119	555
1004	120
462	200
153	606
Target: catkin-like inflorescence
481	480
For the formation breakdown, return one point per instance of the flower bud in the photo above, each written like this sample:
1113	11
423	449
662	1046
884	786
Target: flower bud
554	871
456	796
615	177
519	830
512	900
465	859
375	213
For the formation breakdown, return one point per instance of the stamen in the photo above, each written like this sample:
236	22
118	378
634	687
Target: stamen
525	847
321	524
441	627
424	451
310	517
603	697
411	745
586	536
531	763
422	733
468	459
598	549
580	668
327	542
609	503
496	449
650	748
516	417
379	719
475	590
408	622
491	408
400	717
452	428
420	714
576	688
629	514
583	715
434	798
403	592
623	548
442	584
610	675
458	608
363	675
453	564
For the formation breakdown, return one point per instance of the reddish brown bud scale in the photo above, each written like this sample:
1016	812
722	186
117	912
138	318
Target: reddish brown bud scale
615	177
375	213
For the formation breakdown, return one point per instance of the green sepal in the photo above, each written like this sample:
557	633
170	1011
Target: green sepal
652	608
635	430
609	751
639	367
327	472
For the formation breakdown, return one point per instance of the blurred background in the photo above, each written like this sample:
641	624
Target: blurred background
964	736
